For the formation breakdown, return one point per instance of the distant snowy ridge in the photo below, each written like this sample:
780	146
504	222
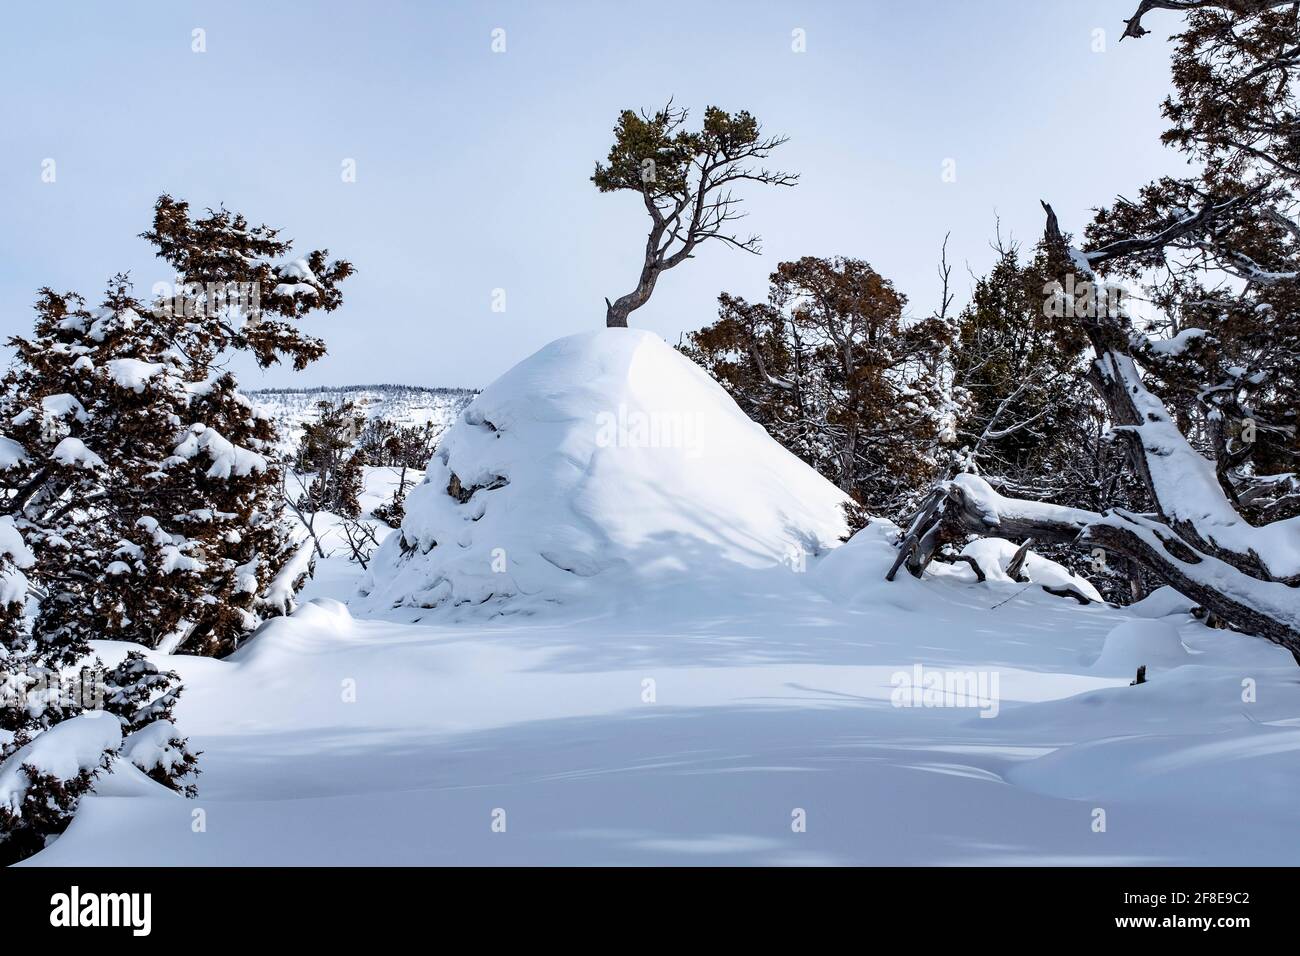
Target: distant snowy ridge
407	405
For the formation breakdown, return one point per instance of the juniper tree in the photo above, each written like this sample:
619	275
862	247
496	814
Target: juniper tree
144	699
831	367
1220	251
388	444
147	490
1032	426
329	451
35	802
685	180
1022	368
393	511
140	501
20	665
350	481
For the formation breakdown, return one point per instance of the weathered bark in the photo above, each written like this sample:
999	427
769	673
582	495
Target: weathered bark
1066	591
1173	561
1198	542
616	312
980	577
926	523
1015	569
1270	609
1011	523
693	203
1133	25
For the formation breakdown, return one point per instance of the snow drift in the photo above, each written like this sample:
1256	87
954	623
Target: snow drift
1155	645
606	455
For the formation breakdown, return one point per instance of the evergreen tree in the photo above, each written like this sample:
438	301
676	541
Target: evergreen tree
143	698
830	366
685	180
329	451
140	503
1033	427
350	482
1222	264
1023	371
1205	413
397	446
392	512
147	492
35	802
388	444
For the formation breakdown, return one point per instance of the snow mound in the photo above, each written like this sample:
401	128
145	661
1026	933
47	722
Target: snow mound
1130	645
605	460
308	630
1162	602
854	574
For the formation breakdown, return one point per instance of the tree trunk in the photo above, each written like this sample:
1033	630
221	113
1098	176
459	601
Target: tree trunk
615	315
616	312
1270	609
1198	543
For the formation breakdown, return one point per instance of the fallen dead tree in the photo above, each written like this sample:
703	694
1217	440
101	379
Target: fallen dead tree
1195	540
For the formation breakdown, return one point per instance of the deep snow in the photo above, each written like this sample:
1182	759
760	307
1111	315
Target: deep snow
709	672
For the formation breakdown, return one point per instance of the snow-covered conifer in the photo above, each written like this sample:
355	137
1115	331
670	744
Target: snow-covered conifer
329	452
834	371
143	699
141	502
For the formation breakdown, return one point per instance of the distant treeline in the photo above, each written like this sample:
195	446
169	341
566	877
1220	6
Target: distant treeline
351	389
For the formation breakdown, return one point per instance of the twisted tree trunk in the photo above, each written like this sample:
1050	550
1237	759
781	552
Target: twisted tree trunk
1197	542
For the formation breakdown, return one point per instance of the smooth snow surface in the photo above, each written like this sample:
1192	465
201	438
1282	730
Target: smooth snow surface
686	696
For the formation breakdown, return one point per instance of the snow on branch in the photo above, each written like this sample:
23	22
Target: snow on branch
227	458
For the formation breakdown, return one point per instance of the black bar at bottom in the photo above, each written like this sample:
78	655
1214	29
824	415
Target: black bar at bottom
332	905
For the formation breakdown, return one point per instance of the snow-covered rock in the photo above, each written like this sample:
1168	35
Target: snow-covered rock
605	457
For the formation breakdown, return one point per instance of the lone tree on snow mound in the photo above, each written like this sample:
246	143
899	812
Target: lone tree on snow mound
685	180
1220	253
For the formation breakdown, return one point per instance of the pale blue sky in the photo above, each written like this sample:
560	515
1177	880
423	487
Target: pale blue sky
473	166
